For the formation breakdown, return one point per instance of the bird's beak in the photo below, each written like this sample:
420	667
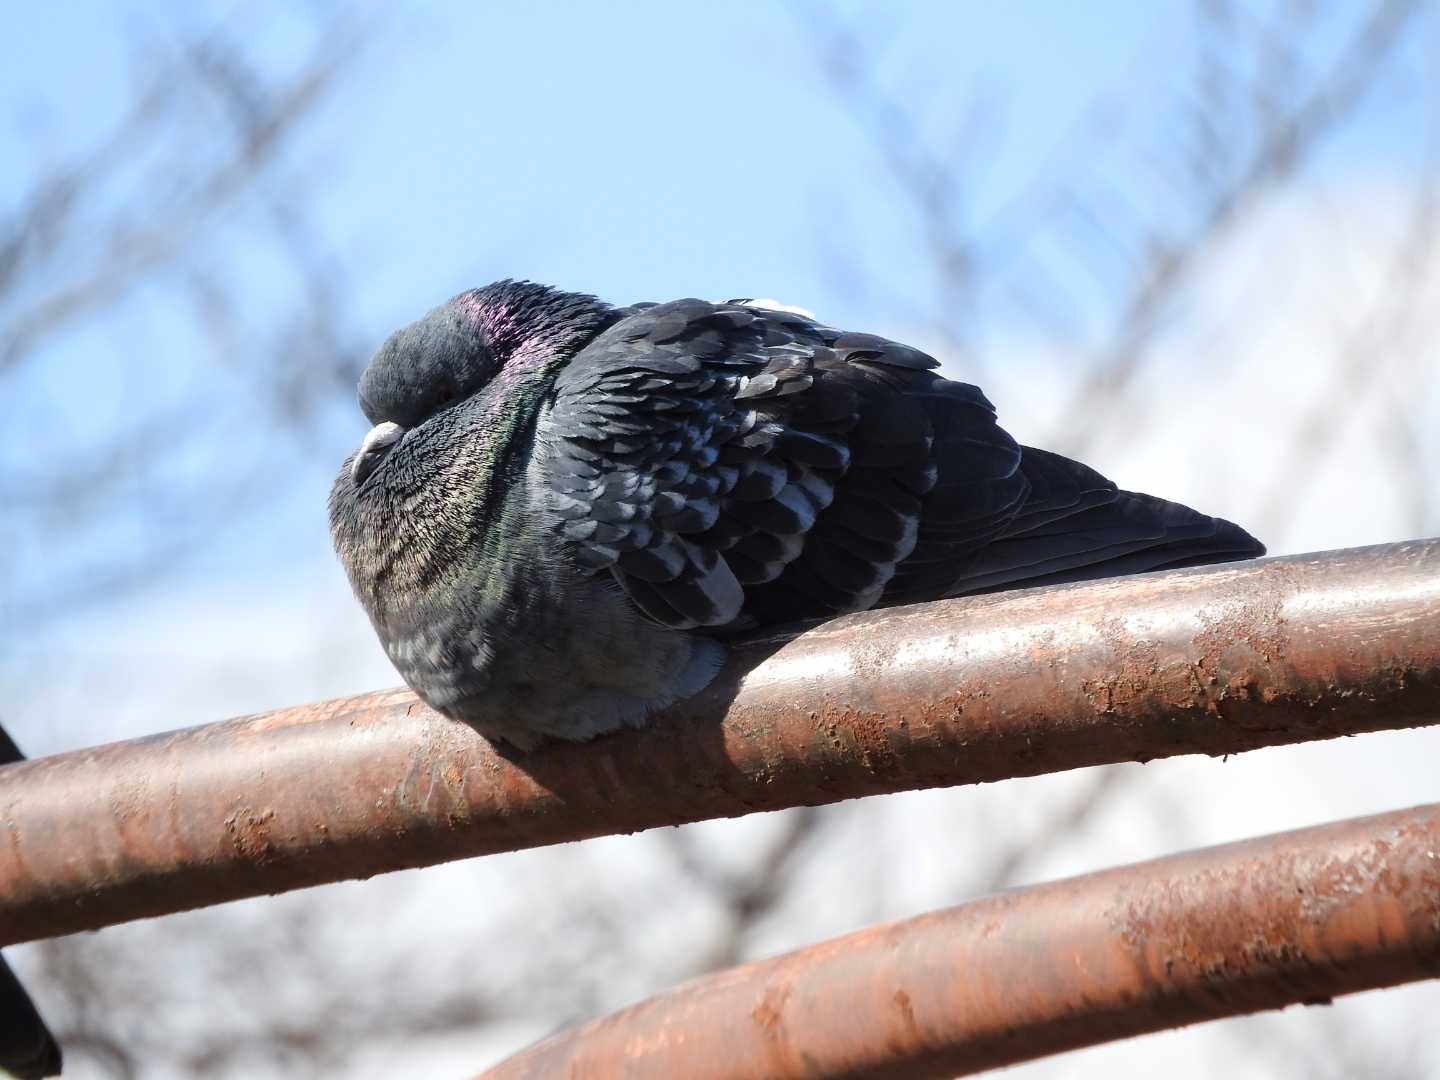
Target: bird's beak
379	441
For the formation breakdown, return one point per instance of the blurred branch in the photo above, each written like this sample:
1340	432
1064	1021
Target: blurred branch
129	253
1230	163
1414	463
1363	359
141	213
336	1015
1291	128
1060	825
929	180
746	897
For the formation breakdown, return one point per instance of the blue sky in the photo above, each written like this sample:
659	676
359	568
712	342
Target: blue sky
635	149
598	145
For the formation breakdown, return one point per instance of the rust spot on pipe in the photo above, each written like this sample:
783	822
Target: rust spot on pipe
907	1019
250	832
769	1013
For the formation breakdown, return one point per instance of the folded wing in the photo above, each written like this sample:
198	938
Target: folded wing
732	467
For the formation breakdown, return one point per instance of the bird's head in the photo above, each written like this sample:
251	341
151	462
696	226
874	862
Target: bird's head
424	369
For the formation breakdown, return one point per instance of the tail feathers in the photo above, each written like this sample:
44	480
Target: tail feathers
27	1049
1070	524
1130	534
1059	488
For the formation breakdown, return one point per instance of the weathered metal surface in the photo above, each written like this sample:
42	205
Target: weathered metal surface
1299	917
1211	661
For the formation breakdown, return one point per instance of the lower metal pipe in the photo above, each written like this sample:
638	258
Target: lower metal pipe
1296	918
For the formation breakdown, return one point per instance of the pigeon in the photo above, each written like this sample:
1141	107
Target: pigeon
27	1049
565	509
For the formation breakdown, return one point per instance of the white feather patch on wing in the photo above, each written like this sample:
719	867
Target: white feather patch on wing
775	305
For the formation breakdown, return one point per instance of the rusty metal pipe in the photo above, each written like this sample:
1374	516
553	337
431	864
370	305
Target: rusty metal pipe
1213	661
1298	917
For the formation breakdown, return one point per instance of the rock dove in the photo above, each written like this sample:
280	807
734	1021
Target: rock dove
565	508
27	1049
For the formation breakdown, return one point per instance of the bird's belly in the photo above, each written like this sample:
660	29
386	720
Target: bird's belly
571	662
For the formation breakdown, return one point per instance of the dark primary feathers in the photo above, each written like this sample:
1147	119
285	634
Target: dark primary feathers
27	1049
718	466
